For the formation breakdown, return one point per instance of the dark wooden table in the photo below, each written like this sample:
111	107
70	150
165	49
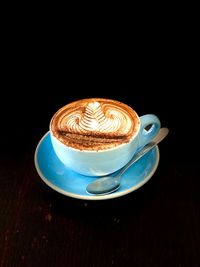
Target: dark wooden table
157	225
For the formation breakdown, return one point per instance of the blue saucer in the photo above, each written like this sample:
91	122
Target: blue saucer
72	184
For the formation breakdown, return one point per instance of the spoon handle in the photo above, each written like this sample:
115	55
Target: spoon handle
160	136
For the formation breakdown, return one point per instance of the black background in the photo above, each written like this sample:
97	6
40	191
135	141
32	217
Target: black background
157	225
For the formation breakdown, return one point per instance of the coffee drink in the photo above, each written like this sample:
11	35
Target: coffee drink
95	124
98	136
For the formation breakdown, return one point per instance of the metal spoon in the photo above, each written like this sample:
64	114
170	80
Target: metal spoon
109	184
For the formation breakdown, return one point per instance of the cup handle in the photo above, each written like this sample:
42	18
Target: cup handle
146	135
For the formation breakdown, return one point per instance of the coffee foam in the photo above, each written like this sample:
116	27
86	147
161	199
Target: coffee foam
94	124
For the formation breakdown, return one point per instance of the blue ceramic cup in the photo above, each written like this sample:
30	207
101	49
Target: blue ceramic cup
104	162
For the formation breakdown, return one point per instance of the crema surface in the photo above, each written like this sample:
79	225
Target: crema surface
94	124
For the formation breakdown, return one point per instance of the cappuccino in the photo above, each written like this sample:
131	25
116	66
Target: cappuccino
95	124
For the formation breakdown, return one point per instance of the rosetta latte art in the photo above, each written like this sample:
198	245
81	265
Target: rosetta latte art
94	124
97	118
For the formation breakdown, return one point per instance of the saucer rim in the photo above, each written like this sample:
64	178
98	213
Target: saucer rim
115	194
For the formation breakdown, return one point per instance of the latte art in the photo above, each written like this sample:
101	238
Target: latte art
94	124
96	118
